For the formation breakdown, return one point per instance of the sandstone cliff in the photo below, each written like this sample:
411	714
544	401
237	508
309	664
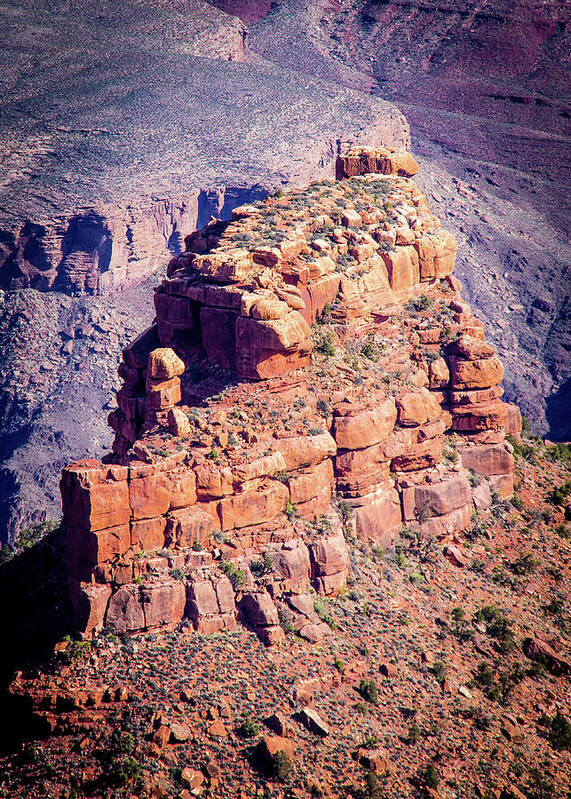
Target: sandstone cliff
312	376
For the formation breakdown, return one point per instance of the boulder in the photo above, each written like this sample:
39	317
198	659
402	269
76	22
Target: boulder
482	497
536	649
502	484
301	451
385	160
311	483
417	407
90	603
402	267
262	615
180	484
94	497
148	534
164	364
436	254
437	499
356	427
125	610
311	719
163	603
330	562
452	522
420	455
136	354
189	526
266	466
483	416
376	760
254	506
480	373
513	420
272	745
378	516
488	459
149	496
455	555
438	374
210	604
191	777
472	349
291	566
178	422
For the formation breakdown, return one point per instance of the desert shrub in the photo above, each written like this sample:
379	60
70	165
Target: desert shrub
560	732
524	564
234	574
282	766
539	786
459	625
263	566
322	611
324	344
559	495
413	734
248	728
30	536
440	670
323	407
124	770
369	692
429	777
497	625
559	452
419	303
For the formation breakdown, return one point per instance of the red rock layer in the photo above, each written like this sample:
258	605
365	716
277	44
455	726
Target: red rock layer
251	447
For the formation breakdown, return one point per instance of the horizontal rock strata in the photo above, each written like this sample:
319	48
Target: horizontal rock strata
312	376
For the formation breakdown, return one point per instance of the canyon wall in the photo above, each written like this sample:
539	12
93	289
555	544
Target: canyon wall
312	376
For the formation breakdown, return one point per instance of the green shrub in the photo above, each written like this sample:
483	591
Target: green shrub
249	728
234	574
324	344
282	766
263	566
429	777
413	734
559	495
440	670
497	625
560	732
524	564
369	692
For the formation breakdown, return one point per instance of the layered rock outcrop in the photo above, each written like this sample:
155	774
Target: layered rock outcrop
312	375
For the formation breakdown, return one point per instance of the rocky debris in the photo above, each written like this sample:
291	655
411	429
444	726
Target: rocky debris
272	745
237	422
311	719
304	619
262	615
542	651
376	760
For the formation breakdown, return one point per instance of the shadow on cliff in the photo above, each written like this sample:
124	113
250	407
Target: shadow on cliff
35	614
558	413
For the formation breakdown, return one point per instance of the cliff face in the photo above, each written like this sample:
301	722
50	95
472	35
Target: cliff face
150	121
485	89
312	376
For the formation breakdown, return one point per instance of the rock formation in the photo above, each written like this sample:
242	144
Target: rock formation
312	375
